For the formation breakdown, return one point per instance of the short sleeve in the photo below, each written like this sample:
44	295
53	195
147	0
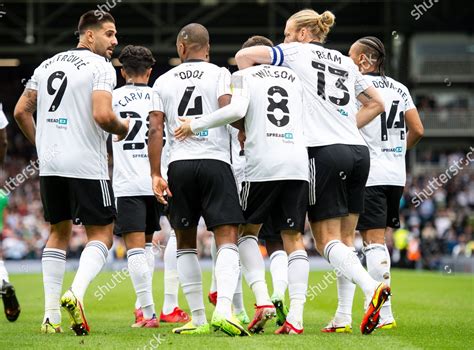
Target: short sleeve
32	84
3	118
157	102
105	77
283	54
239	85
409	103
360	84
223	83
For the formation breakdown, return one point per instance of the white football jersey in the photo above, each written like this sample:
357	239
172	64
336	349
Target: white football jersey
3	118
192	90
386	135
131	166
68	140
274	145
331	83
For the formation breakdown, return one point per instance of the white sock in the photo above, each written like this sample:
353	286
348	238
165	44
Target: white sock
227	274
3	272
140	275
346	262
279	271
254	269
92	260
171	280
213	257
54	265
378	265
298	273
189	272
150	260
345	298
238	299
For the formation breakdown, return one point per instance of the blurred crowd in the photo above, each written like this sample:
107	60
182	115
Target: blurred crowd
440	225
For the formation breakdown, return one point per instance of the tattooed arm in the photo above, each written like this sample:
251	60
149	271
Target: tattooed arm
23	114
372	106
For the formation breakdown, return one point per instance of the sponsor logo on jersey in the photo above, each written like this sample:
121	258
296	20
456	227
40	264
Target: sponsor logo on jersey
61	121
343	112
398	149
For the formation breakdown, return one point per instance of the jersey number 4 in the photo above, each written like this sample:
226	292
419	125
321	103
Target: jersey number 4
389	123
183	104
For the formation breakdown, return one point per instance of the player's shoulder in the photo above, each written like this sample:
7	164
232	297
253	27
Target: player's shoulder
397	83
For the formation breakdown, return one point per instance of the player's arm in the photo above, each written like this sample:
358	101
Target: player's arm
415	127
372	106
23	113
155	149
104	115
251	56
227	115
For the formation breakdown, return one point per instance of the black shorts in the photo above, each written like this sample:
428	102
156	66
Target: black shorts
204	187
382	207
87	202
137	214
284	201
338	174
268	234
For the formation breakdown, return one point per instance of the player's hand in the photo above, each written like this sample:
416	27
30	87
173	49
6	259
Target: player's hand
125	125
184	130
160	187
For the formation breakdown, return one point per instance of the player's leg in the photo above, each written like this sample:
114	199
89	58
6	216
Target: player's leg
7	292
171	312
342	321
325	214
94	206
57	210
222	214
289	216
185	209
212	296
278	268
382	210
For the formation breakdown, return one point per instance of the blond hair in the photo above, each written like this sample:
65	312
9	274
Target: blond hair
319	25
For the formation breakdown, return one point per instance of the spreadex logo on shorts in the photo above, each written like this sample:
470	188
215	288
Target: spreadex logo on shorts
393	150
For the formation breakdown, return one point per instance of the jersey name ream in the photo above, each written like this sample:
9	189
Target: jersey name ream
331	83
386	134
69	141
274	145
192	90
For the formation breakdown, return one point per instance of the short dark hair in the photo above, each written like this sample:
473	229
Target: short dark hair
257	40
374	48
136	60
93	19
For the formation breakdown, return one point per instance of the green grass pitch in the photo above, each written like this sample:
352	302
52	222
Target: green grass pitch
433	310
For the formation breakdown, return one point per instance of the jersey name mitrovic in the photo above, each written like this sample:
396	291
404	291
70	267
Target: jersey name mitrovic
131	166
69	141
274	145
331	83
192	90
386	134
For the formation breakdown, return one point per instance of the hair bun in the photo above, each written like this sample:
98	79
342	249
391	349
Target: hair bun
328	19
